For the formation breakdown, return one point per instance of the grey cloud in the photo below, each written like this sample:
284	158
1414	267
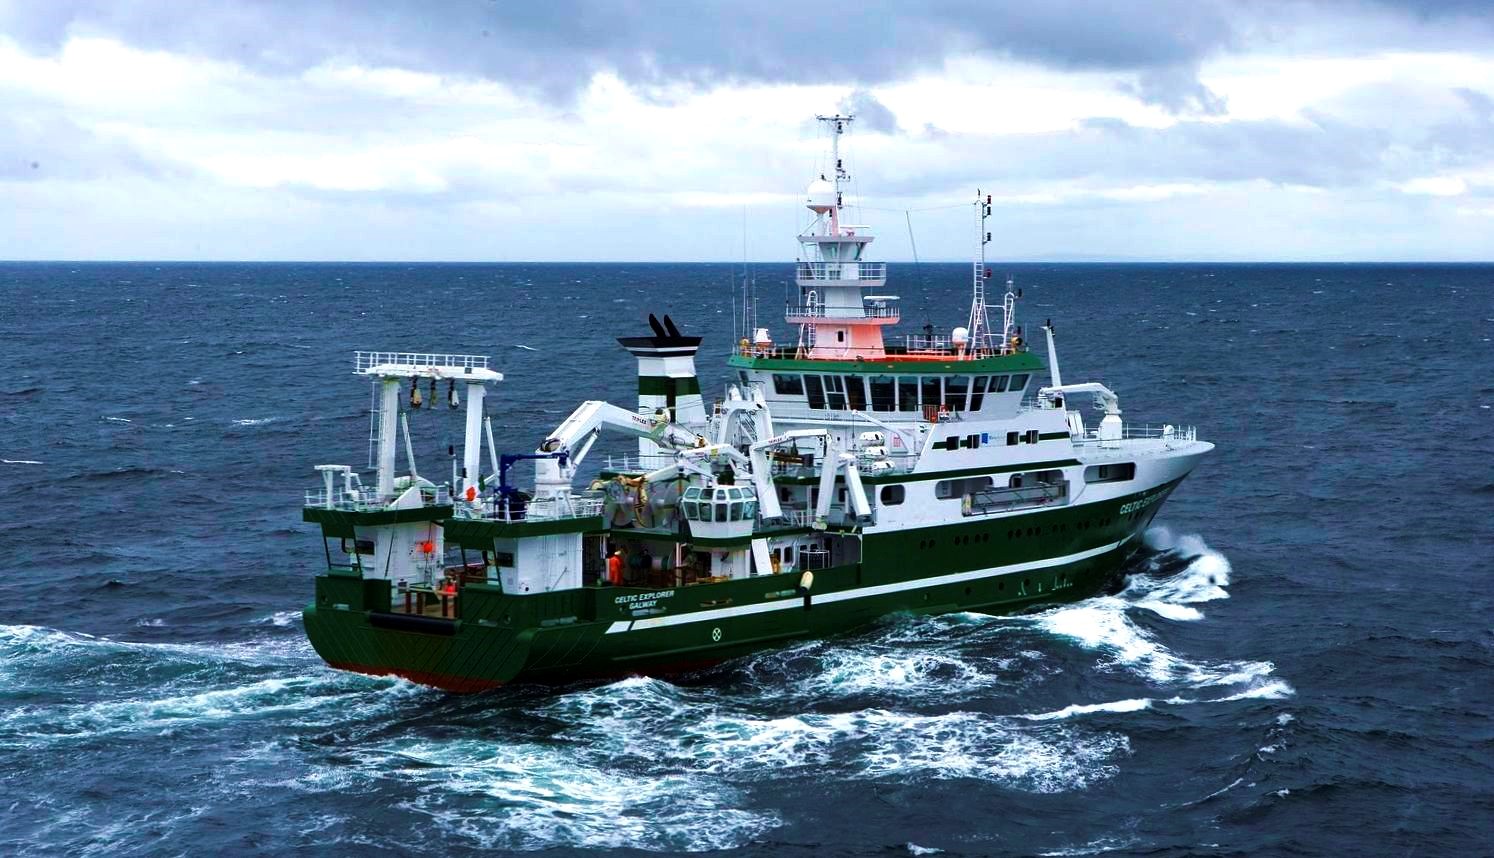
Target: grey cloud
44	148
872	114
558	46
1176	89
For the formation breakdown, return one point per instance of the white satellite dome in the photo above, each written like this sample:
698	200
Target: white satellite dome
821	195
960	336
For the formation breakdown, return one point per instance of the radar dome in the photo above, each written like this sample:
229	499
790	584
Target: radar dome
821	196
960	336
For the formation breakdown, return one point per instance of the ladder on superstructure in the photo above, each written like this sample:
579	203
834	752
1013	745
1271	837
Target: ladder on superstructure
980	324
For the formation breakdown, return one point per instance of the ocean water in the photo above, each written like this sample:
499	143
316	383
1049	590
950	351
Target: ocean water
1302	662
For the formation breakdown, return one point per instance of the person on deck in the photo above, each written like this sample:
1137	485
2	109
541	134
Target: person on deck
615	568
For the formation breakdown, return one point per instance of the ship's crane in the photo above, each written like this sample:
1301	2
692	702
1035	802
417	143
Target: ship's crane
552	476
833	461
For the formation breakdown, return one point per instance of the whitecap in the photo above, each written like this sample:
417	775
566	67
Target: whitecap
516	795
256	421
1132	705
525	348
19	462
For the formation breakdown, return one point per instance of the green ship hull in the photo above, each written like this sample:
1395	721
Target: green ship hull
490	638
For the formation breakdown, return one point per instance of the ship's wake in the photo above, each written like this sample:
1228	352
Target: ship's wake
1043	703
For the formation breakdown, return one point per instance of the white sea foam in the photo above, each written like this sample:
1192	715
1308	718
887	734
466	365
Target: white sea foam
255	421
519	795
1131	705
20	462
525	348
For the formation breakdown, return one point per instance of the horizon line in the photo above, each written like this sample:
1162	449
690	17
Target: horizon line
739	262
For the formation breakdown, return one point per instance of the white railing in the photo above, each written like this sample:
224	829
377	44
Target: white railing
864	272
820	311
538	509
1144	432
635	462
366	498
365	361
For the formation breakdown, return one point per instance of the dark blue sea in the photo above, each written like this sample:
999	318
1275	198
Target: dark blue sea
1302	663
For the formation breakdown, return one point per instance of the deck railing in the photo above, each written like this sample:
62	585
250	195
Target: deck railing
538	509
862	272
365	361
366	498
1144	432
820	311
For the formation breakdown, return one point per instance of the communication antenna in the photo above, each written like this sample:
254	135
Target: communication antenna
980	324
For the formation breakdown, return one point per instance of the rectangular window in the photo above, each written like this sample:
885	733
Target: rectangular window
1012	438
503	558
955	388
946	489
932	393
1032	436
363	546
835	393
882	393
1019	382
788	385
855	393
998	383
815	391
977	392
1114	473
893	495
907	393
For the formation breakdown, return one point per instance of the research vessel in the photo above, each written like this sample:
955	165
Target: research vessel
843	474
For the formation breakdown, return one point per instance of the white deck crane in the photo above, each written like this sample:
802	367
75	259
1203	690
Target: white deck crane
553	476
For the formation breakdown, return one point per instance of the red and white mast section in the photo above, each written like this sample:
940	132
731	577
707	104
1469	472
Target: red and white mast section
836	319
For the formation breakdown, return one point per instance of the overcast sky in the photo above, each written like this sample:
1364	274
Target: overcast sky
631	130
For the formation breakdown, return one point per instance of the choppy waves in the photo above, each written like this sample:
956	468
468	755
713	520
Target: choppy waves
1002	702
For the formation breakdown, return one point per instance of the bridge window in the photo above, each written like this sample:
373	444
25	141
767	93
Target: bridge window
855	393
788	385
998	383
931	391
835	393
1019	382
907	393
1032	436
1118	472
893	495
882	393
955	387
977	392
815	391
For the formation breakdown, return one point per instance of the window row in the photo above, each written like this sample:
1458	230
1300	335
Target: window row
896	393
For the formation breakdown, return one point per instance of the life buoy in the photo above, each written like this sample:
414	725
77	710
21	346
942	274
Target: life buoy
471	494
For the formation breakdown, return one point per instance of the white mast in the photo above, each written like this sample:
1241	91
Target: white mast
980	324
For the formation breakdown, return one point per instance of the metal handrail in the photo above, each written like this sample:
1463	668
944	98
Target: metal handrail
366	498
820	311
365	361
538	509
860	271
1144	432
